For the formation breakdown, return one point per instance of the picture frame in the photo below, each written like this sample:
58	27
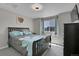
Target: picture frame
20	20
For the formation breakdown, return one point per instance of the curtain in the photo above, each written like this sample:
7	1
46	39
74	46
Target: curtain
52	18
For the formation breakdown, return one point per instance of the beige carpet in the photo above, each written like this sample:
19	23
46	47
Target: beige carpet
55	50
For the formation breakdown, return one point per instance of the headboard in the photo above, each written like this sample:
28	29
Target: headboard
16	29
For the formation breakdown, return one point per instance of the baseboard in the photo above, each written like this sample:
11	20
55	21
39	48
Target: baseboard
56	44
3	47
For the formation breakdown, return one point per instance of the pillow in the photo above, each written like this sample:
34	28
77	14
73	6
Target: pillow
21	33
16	33
27	33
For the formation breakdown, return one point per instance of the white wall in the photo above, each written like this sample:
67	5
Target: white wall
63	18
36	25
8	19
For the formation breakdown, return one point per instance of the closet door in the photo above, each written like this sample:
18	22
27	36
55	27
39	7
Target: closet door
77	39
69	39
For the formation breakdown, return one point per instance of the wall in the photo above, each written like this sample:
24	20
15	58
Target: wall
63	18
36	25
8	19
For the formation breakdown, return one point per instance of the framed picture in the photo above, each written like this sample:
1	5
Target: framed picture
74	14
20	19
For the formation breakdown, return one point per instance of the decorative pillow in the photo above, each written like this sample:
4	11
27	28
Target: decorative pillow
16	33
21	33
27	33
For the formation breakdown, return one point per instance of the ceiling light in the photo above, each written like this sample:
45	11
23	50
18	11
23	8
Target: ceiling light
37	7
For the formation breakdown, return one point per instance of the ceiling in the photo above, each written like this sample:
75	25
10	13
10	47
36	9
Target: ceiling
49	9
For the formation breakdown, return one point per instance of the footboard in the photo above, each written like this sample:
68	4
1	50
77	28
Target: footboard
40	46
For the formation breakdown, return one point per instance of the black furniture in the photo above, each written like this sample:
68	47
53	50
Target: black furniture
71	39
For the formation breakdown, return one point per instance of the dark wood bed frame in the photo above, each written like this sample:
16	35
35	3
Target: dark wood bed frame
36	51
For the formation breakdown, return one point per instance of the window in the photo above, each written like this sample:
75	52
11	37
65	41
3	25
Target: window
49	25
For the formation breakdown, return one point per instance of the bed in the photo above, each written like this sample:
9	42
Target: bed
28	45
